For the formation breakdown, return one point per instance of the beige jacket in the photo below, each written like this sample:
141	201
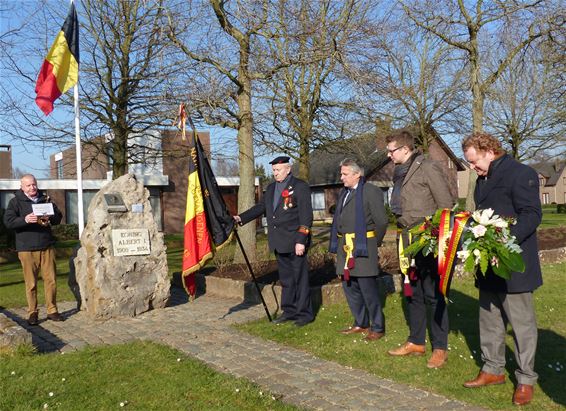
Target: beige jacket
424	190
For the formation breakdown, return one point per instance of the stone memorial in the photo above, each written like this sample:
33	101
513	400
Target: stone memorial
121	267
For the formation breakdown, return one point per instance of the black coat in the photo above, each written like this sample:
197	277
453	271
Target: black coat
512	190
376	221
285	222
29	237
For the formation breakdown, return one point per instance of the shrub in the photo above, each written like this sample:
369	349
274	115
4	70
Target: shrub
561	208
63	232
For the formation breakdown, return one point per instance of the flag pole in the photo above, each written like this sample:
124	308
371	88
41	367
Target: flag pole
252	273
79	162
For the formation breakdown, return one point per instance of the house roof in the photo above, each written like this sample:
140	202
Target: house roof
324	161
552	171
368	149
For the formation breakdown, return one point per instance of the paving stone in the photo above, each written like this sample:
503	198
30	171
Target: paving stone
202	329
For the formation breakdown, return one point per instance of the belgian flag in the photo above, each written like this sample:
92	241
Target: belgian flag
60	69
208	224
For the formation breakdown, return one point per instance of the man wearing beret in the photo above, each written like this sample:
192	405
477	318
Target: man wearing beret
288	208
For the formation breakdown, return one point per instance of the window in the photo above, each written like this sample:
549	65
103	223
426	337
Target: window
5	198
541	180
318	200
59	164
71	206
545	199
450	164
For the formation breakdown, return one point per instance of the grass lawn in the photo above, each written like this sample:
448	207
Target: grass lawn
550	218
12	287
136	376
321	339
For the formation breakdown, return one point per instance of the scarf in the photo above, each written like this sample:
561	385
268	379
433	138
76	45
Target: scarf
361	245
399	173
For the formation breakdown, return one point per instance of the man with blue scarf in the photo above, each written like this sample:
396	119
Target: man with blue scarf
358	228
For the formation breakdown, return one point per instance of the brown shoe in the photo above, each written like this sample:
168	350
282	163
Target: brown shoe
437	359
354	330
373	336
55	317
408	349
32	319
485	378
523	394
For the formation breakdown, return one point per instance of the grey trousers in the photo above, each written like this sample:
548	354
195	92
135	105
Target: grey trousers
496	311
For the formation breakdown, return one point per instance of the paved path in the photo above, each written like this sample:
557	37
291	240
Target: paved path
293	375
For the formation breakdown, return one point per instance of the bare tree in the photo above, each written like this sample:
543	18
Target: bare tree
411	78
473	29
126	75
305	104
524	110
124	79
219	90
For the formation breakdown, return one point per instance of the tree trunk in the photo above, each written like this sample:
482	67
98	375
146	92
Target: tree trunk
246	191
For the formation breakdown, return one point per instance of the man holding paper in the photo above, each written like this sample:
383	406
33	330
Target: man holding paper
30	215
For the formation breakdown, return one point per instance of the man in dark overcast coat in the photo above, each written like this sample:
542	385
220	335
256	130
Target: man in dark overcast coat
287	205
511	189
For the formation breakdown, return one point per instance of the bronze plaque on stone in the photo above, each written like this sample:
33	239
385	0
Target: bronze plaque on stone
114	203
130	242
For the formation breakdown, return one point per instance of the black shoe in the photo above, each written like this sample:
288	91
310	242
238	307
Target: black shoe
33	320
302	322
281	320
55	317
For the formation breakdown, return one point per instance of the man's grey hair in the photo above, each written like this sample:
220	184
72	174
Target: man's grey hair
350	162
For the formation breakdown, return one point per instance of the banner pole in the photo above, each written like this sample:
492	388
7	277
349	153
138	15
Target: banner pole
252	273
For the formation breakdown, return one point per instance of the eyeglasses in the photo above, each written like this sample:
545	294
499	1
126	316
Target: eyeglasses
394	150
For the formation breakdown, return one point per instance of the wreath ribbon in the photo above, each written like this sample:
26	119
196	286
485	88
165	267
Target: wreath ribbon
450	238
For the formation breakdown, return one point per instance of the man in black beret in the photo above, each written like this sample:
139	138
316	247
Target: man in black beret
288	208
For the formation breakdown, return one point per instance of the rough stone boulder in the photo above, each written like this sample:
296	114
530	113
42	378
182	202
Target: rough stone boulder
115	281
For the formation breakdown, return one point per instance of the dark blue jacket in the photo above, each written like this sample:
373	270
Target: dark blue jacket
285	223
512	190
29	237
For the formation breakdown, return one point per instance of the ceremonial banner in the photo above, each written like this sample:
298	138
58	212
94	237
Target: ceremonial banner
208	224
60	69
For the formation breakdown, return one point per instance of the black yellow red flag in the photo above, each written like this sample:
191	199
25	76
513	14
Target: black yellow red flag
60	69
208	224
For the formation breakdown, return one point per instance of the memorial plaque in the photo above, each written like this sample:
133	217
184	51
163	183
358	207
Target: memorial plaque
114	203
130	242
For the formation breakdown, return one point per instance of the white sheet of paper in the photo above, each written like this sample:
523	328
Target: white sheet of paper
43	209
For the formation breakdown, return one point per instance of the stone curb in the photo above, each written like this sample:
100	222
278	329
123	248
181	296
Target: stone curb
12	335
322	295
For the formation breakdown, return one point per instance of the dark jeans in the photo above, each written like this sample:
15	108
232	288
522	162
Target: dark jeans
426	292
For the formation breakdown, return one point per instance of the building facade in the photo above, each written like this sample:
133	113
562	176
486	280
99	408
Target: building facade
160	160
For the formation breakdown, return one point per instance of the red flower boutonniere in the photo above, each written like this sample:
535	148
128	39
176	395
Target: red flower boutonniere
287	199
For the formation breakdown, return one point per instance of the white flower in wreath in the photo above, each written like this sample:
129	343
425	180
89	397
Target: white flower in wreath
479	230
477	256
500	223
463	254
484	216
